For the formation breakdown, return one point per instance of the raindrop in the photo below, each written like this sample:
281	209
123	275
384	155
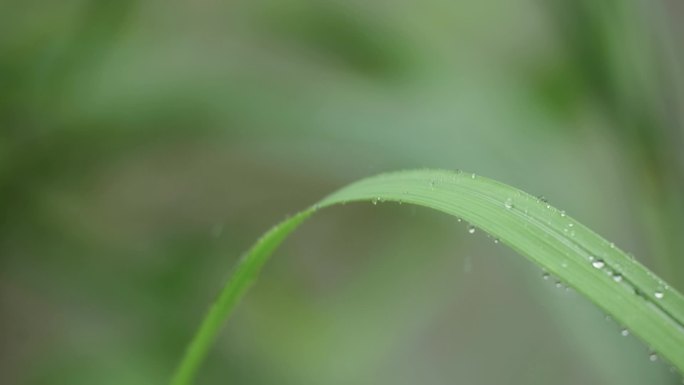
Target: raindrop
624	332
659	294
471	229
473	176
508	204
496	240
374	201
617	277
559	284
459	219
612	245
599	264
653	357
562	213
545	276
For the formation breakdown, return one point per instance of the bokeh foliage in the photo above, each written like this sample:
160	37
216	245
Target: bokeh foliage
145	144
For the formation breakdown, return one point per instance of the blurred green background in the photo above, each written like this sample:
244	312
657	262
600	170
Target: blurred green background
144	145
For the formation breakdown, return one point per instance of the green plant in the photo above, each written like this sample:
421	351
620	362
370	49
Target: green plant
612	279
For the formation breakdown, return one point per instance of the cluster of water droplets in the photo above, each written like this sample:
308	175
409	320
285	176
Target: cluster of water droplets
658	293
557	283
616	272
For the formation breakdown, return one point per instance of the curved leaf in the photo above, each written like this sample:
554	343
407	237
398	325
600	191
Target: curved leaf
613	280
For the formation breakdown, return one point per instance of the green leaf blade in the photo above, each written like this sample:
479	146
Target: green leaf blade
607	276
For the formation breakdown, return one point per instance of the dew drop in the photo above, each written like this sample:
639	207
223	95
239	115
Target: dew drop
459	219
599	264
559	284
624	332
653	357
617	277
471	229
508	204
545	276
659	294
374	201
473	176
562	213
496	240
612	245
